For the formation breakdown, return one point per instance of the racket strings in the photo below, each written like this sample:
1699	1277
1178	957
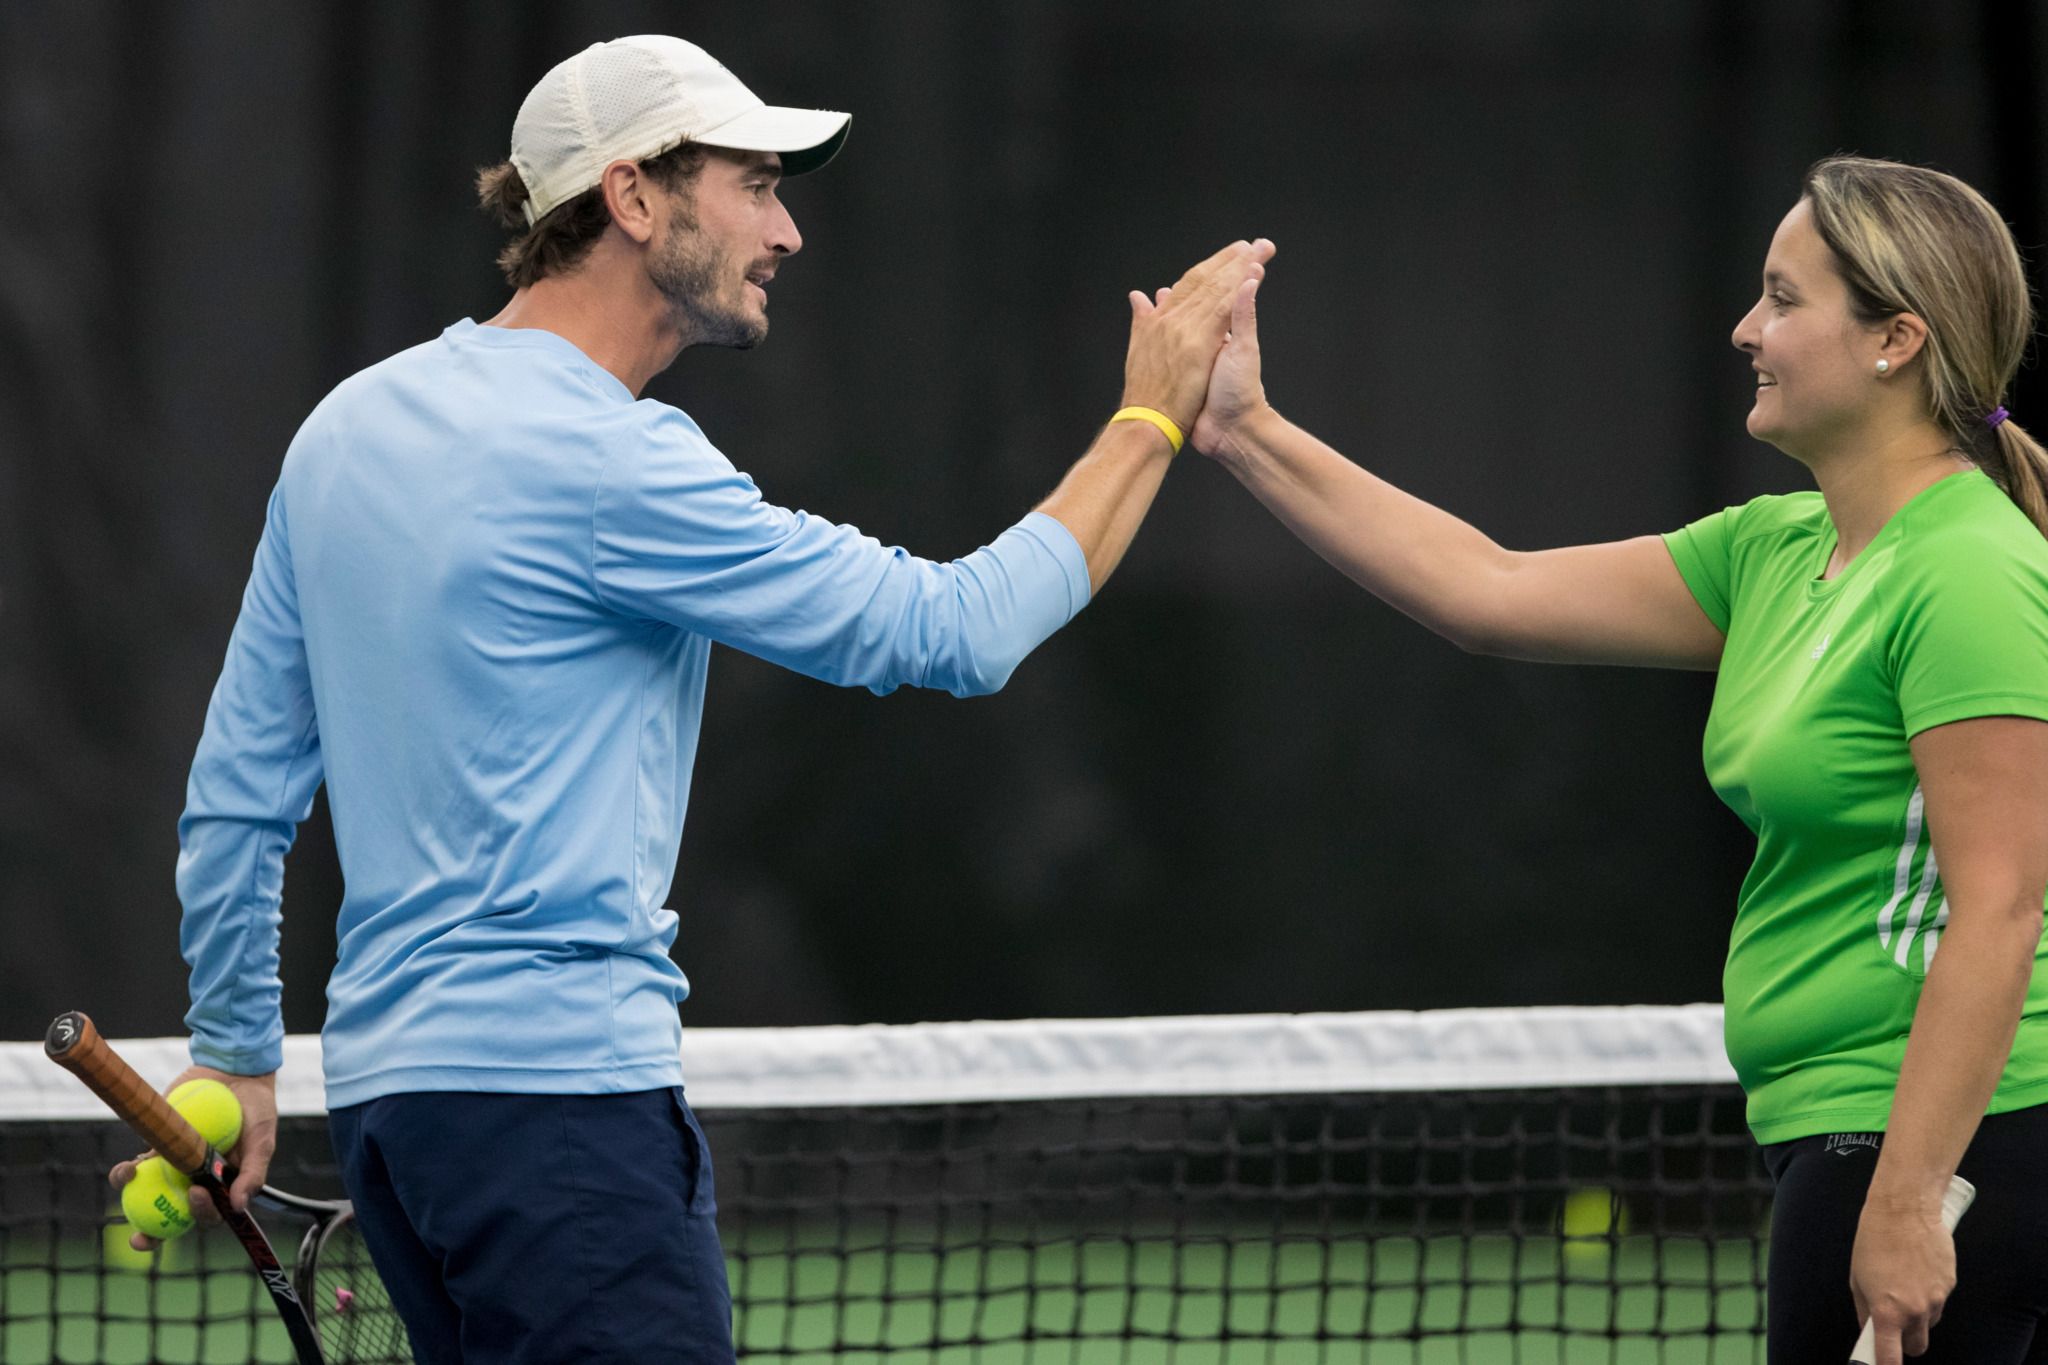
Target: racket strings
350	1306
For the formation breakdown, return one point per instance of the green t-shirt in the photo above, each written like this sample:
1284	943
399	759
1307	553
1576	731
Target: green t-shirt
1944	616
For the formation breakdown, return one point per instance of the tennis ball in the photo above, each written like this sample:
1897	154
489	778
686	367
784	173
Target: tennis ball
155	1200
1590	1217
116	1254
1593	1213
212	1108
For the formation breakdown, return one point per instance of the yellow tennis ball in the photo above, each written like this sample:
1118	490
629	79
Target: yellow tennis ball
1589	1218
116	1254
1591	1213
155	1200
212	1108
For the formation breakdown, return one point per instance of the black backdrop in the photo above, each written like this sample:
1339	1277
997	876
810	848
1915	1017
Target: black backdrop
1514	237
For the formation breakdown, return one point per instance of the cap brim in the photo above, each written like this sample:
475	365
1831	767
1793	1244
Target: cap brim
804	138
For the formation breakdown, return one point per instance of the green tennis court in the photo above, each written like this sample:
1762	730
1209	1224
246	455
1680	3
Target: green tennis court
1370	1301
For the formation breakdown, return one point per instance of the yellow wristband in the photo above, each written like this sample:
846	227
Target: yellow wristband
1156	418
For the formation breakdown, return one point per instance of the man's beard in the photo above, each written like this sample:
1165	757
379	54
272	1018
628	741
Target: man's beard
688	275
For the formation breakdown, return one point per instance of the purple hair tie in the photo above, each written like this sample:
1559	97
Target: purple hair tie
1997	415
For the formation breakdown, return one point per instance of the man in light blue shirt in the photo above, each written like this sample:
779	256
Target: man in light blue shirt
480	612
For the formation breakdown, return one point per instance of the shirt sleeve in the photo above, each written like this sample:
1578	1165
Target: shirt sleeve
1970	633
253	780
681	536
1704	554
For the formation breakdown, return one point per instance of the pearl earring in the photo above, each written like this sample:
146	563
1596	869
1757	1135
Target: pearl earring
1883	365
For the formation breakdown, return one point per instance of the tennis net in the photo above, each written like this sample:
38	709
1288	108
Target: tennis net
1538	1185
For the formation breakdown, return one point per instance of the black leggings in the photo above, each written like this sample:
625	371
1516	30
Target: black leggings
1998	1314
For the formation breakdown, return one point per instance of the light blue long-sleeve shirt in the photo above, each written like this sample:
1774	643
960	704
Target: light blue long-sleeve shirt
481	611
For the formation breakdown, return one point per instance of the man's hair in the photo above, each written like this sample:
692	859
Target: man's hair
557	244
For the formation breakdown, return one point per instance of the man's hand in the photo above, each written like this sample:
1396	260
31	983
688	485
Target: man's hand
1901	1272
1176	334
258	1098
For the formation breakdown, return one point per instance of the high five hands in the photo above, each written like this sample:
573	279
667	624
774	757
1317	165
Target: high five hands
1178	335
1237	393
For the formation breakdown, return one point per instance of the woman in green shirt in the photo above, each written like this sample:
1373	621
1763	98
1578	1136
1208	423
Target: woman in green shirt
1880	721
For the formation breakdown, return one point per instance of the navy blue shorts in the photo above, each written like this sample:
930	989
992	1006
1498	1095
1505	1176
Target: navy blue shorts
1998	1314
530	1228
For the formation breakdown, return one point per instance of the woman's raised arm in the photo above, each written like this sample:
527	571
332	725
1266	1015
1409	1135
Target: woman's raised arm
1623	602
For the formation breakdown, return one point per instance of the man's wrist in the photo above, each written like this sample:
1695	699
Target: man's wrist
1144	414
268	1078
1181	413
260	1059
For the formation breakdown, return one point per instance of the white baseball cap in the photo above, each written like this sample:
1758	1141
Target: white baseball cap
634	98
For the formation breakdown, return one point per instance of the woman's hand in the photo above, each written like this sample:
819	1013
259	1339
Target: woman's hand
1237	393
1902	1272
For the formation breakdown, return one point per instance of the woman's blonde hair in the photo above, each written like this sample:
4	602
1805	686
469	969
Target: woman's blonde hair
1911	240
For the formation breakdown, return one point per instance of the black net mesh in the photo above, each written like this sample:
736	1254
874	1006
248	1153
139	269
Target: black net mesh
1562	1225
72	1290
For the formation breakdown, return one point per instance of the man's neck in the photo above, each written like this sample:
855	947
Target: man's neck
626	329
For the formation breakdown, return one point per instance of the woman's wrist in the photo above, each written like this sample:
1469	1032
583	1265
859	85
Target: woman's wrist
1248	438
1901	1191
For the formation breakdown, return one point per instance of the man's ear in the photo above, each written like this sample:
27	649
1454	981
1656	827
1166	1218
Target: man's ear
628	198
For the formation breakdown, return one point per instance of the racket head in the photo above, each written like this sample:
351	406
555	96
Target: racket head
351	1309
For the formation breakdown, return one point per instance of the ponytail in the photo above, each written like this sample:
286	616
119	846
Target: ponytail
2019	465
501	192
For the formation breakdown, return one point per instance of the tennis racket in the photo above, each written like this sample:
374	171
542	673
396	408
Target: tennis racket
333	1305
1955	1202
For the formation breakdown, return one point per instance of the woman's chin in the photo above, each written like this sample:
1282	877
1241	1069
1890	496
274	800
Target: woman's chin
1762	423
1774	434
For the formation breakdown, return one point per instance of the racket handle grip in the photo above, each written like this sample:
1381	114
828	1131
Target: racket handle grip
1955	1202
74	1044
